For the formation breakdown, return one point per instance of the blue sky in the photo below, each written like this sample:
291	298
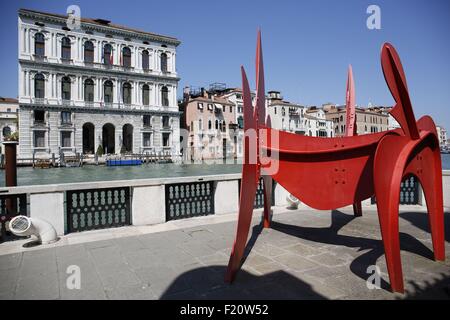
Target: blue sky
307	44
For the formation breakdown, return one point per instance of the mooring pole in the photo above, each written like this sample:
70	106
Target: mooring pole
11	174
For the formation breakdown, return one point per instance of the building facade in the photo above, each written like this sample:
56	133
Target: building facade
368	120
316	124
234	95
101	86
295	118
442	135
211	131
9	108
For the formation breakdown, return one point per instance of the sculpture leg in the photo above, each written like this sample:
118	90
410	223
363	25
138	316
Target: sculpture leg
249	184
268	184
388	173
427	168
357	209
388	217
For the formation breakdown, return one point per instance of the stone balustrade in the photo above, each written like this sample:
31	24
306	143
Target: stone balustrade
94	205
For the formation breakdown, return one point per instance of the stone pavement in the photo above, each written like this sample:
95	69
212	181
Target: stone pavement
307	254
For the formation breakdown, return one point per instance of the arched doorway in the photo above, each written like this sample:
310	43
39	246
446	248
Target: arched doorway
88	138
127	137
108	138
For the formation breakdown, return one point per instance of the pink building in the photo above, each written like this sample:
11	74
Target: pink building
210	124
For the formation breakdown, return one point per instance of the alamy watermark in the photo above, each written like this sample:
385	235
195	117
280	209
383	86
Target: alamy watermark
73	21
373	21
374	280
73	281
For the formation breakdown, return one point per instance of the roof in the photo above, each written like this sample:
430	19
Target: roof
307	116
275	102
8	100
98	22
216	100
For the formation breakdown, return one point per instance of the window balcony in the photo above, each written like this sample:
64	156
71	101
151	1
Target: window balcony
66	61
39	57
39	100
39	123
66	123
66	102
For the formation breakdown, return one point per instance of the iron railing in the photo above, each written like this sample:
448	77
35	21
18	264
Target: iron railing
11	206
98	209
259	198
184	200
409	191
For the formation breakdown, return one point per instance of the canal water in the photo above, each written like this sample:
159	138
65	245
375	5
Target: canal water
30	176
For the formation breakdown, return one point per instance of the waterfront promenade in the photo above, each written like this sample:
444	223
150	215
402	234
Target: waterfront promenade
307	254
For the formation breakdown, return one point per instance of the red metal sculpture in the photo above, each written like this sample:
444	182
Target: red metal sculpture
350	123
329	173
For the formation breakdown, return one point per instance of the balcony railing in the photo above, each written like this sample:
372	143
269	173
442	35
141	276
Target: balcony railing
39	100
39	57
108	66
39	123
66	102
66	61
97	104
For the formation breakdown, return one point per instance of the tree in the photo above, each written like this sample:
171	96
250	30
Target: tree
100	151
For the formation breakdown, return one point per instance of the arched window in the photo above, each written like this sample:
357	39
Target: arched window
65	88
145	60
200	124
126	56
217	124
107	54
89	90
145	95
39	86
88	51
165	96
6	131
108	91
126	93
209	125
65	48
163	62
39	44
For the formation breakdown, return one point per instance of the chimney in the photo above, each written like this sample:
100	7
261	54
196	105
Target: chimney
186	93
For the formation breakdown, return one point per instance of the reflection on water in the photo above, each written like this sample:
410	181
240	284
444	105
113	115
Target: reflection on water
30	176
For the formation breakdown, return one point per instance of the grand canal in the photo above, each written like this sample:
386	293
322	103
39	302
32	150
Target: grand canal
30	176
